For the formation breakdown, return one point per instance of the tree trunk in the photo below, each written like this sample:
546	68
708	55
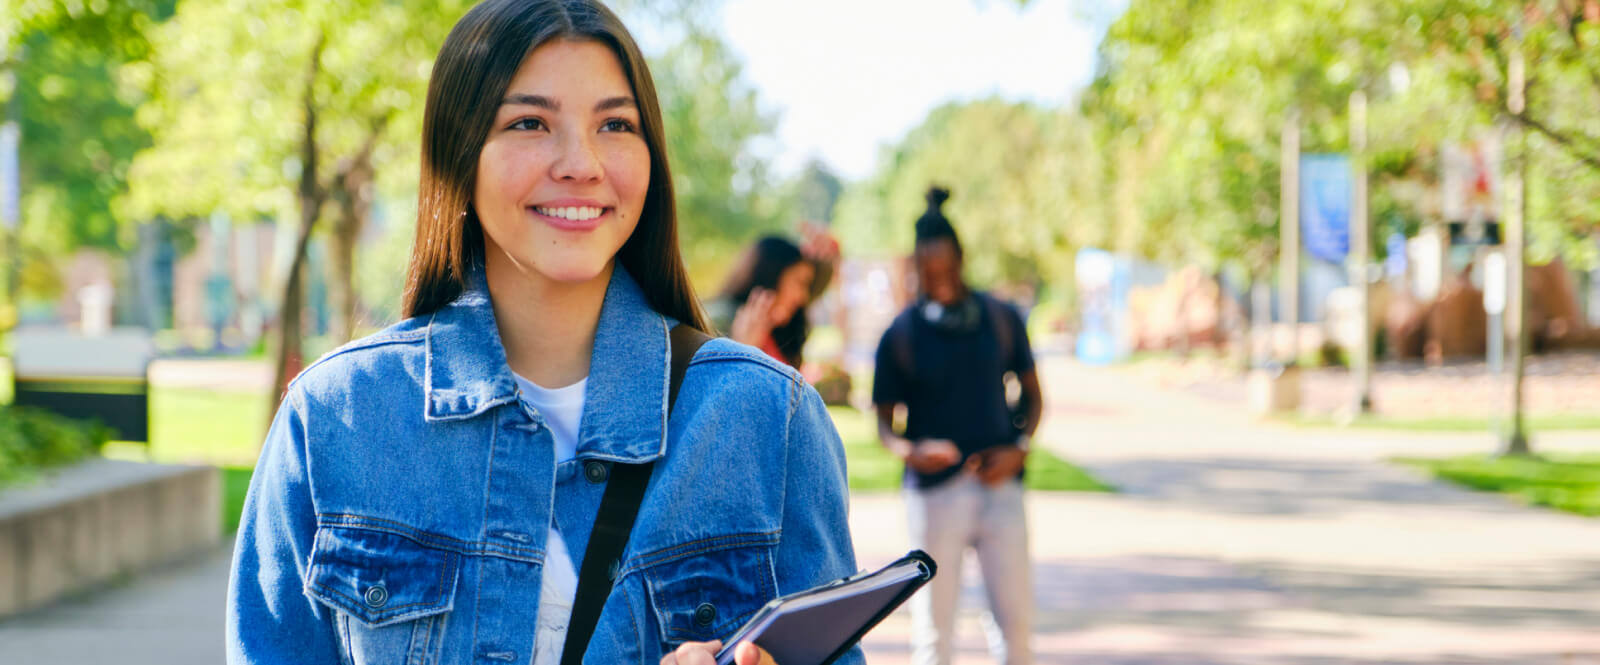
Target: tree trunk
354	193
286	345
1516	436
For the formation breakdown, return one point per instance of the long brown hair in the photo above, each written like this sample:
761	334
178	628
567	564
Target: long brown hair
470	77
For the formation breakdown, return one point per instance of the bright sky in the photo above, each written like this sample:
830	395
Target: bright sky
848	76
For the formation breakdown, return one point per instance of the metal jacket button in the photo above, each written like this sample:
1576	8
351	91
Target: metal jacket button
595	471
376	596
705	614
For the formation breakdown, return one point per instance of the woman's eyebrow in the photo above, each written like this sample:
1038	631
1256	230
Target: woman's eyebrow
614	103
540	101
608	104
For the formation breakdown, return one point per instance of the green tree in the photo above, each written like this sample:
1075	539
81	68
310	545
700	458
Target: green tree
115	26
57	60
276	109
714	124
78	138
1192	95
1016	172
1560	40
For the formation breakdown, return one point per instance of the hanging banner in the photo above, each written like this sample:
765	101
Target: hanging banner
1325	205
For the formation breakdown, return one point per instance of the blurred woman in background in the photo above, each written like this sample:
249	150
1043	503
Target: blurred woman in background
763	303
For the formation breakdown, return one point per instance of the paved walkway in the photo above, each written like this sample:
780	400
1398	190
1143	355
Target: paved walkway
1232	543
172	616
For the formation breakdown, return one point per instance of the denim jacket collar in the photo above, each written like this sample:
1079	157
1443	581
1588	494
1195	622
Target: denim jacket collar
625	403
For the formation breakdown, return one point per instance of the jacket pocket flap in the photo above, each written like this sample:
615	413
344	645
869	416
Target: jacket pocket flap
381	578
709	595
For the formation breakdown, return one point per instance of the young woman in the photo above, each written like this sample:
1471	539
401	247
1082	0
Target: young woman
427	494
764	301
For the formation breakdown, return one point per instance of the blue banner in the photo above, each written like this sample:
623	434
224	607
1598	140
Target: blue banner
1325	206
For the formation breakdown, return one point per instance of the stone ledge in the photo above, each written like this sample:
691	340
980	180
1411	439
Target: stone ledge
93	522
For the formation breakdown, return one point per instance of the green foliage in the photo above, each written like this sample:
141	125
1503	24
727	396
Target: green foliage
227	103
117	26
32	440
57	64
1567	483
1190	99
1019	177
72	170
714	122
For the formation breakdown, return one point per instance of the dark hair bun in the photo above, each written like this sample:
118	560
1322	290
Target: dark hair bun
932	225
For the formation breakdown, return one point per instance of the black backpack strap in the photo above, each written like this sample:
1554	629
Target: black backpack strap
1004	332
900	344
685	342
619	507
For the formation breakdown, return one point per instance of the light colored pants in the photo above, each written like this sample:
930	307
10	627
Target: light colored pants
947	519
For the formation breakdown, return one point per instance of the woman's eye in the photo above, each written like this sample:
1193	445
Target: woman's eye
617	125
527	124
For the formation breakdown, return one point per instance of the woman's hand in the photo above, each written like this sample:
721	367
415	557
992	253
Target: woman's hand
752	324
818	243
705	653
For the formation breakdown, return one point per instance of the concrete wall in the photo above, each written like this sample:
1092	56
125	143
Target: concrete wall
94	522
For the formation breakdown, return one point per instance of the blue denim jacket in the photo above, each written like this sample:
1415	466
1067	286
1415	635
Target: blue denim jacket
399	511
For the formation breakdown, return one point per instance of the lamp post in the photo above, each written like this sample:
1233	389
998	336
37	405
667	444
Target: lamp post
1360	256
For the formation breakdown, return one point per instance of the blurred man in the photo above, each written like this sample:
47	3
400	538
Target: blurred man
945	359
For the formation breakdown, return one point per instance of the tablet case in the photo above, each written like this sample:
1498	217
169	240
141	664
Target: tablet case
777	644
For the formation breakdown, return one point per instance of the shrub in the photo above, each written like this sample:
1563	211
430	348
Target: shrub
31	440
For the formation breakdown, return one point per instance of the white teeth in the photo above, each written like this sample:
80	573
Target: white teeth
572	213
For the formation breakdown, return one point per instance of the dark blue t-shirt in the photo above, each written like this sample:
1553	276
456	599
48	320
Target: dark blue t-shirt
955	385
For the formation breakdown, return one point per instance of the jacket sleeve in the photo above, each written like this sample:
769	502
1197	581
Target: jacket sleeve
815	547
270	619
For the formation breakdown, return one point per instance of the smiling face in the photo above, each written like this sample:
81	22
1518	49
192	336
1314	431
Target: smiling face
563	174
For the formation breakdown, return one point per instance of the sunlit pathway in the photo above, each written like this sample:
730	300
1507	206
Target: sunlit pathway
1238	543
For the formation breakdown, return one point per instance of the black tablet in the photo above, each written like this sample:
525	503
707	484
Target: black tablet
816	626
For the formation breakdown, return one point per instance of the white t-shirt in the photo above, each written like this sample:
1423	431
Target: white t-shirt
562	410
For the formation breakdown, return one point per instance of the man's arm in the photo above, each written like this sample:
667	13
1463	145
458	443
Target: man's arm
897	445
1033	399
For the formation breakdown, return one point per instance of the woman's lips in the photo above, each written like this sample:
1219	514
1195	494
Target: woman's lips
571	218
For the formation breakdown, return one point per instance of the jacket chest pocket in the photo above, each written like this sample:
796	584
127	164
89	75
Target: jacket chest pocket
709	595
390	594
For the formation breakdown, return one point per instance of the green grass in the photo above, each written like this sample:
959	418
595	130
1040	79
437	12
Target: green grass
1566	482
211	427
873	468
206	426
1536	422
235	482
